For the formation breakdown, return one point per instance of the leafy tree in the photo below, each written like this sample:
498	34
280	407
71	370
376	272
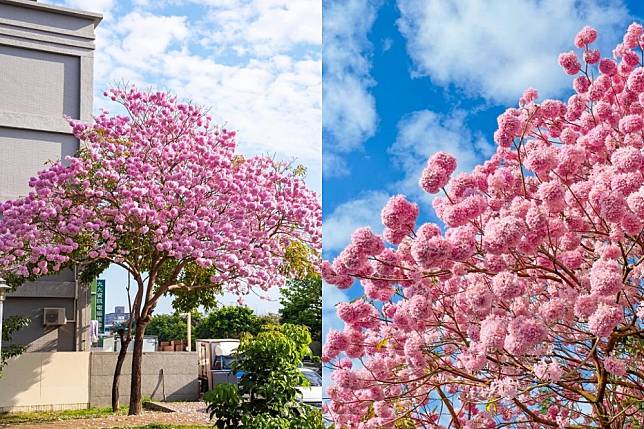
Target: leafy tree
229	322
10	326
526	308
302	304
169	327
161	193
269	319
266	397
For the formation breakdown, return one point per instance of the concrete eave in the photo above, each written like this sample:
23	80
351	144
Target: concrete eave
30	4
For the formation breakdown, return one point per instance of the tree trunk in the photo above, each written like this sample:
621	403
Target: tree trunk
125	342
137	358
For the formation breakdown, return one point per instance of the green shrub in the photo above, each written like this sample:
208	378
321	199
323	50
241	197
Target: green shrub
266	397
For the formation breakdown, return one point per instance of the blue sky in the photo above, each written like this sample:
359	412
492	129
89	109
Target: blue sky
430	75
255	63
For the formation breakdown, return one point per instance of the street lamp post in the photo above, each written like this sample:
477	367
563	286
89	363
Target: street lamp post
4	288
189	316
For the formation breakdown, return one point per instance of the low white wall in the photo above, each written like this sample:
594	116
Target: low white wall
45	381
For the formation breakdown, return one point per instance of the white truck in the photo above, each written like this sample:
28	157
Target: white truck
216	357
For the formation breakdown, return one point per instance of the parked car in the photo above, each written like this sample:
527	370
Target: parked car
312	394
216	357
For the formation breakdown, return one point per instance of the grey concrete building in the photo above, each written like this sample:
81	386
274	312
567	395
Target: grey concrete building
118	316
46	73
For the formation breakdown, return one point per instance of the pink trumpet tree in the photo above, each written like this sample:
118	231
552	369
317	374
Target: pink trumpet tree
161	193
527	309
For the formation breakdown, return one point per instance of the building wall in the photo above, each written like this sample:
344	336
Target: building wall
43	381
172	373
46	58
73	380
54	291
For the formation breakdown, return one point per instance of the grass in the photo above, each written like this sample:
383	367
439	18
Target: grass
48	416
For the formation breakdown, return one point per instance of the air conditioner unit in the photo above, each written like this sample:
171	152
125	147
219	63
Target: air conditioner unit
54	316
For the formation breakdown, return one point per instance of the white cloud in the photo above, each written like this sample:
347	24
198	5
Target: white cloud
423	133
345	218
272	95
100	6
144	38
262	27
334	165
497	48
350	115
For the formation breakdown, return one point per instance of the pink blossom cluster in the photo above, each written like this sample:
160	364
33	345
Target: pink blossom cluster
511	312
161	183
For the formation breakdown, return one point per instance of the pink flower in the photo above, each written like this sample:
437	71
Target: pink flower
508	128
592	56
430	252
336	342
635	81
632	36
606	277
462	242
548	371
507	285
627	159
433	179
569	62
605	318
541	158
479	297
529	96
524	333
585	37
552	109
493	331
607	66
631	124
473	359
615	366
552	194
581	84
443	160
414	351
502	234
399	214
365	240
635	202
585	306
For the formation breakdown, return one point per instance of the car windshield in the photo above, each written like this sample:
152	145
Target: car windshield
313	377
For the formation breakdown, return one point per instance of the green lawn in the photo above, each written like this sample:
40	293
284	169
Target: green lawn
48	416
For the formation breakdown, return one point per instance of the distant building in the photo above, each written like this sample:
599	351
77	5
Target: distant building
119	316
46	73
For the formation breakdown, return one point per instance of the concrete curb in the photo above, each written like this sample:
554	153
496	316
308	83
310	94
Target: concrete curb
156	406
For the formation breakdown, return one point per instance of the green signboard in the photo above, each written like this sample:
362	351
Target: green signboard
93	288
100	305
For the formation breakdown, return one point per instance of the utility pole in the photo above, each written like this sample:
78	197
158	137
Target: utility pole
189	332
